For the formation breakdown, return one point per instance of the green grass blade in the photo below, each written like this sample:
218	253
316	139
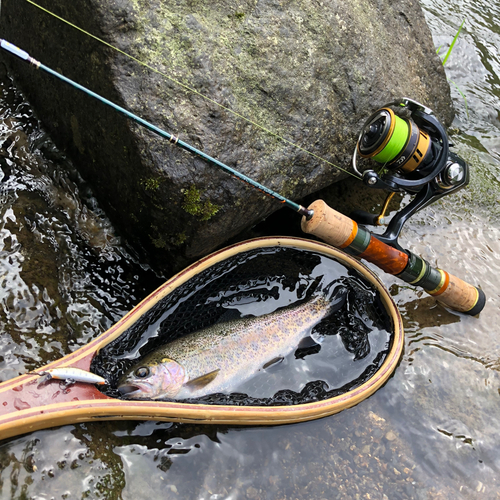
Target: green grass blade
463	96
453	43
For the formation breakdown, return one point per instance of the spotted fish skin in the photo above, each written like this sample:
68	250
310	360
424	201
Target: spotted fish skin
221	357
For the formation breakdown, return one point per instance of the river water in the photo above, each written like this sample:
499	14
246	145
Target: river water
432	432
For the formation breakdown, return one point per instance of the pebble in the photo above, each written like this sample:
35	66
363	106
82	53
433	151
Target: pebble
390	436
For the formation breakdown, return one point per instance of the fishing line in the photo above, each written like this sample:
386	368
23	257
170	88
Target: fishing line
186	87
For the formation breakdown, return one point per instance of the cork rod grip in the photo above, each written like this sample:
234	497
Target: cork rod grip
329	225
459	295
342	232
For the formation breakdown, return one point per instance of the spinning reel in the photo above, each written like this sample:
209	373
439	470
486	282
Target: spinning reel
413	149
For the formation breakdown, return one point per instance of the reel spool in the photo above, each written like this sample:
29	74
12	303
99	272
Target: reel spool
411	149
395	142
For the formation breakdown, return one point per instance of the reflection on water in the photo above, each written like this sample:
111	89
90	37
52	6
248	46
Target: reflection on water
431	432
63	276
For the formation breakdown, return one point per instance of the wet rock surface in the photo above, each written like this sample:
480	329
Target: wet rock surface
308	71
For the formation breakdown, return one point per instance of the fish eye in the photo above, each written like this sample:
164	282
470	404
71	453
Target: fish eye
142	372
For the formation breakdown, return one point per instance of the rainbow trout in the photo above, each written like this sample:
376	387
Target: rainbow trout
221	357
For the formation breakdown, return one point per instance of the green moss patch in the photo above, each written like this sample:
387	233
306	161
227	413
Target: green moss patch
193	205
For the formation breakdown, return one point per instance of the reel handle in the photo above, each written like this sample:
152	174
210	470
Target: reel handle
342	232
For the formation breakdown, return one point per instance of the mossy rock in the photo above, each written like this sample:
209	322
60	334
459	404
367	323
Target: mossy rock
309	72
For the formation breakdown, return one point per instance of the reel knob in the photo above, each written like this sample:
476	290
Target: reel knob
452	175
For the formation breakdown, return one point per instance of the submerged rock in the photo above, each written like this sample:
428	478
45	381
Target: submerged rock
308	71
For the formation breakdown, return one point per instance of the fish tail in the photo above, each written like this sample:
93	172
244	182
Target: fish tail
334	294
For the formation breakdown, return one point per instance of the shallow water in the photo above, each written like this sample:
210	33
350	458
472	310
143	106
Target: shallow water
431	432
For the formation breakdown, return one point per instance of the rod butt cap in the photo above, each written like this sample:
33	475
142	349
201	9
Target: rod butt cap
479	305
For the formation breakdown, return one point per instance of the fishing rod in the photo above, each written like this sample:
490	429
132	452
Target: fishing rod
415	153
162	133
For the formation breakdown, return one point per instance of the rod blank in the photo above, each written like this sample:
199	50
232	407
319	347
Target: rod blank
153	128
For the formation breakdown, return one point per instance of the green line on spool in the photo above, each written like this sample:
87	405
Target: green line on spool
396	142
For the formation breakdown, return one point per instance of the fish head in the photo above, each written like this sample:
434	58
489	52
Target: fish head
153	380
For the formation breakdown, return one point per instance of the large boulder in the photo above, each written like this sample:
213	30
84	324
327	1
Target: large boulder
309	71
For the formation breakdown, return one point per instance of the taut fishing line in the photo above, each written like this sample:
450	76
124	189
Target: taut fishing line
190	89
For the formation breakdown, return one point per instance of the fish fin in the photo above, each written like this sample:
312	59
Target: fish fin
307	346
273	362
202	381
307	342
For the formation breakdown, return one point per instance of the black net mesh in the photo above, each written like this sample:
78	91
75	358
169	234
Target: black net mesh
352	343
